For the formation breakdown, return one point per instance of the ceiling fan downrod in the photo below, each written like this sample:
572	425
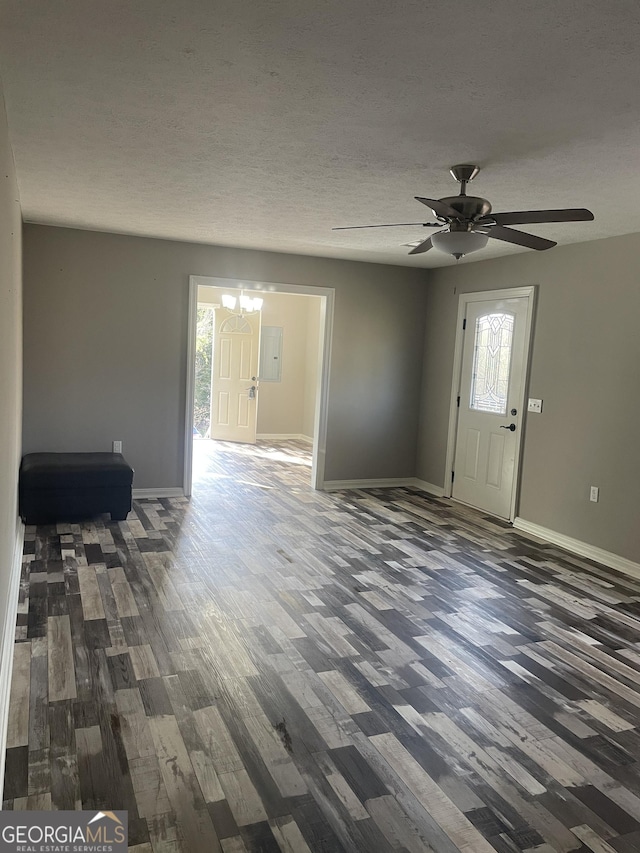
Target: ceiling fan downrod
463	174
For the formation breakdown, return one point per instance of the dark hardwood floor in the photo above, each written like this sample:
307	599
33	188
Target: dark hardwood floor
269	668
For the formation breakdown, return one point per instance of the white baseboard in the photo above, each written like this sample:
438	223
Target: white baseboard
284	436
8	639
438	491
582	549
389	483
171	492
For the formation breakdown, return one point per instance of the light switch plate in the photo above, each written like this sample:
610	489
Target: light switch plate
534	405
117	447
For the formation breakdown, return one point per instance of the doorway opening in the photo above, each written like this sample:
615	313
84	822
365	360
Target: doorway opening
203	372
487	414
257	371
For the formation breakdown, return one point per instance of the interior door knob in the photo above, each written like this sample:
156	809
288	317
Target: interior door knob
511	427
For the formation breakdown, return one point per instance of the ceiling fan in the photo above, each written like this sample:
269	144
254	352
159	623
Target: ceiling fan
468	221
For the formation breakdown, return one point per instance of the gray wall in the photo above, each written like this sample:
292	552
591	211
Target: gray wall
585	361
105	349
10	378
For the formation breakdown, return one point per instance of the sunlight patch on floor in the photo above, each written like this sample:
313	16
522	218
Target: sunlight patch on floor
206	452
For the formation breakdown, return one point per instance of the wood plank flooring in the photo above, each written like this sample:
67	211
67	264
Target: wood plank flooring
269	668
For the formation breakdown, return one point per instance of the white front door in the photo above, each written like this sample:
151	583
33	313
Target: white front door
234	384
490	398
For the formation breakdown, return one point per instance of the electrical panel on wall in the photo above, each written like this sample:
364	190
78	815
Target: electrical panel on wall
270	354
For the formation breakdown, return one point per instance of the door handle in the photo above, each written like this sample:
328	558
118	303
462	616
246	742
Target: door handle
252	392
511	427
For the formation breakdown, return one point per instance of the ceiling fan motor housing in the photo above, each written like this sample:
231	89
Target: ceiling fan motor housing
469	206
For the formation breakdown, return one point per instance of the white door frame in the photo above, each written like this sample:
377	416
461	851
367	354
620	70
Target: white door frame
463	300
322	385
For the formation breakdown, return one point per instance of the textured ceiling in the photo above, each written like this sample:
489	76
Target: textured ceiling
264	124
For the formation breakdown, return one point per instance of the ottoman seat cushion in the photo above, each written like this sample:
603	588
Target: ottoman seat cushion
65	486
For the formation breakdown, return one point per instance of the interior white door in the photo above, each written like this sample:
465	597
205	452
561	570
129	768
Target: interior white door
234	384
491	393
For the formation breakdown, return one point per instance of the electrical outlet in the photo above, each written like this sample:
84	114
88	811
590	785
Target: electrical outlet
594	494
534	405
117	447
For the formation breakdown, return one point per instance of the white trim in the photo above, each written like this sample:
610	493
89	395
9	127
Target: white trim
285	436
327	295
437	491
170	492
576	546
528	292
388	483
192	320
8	642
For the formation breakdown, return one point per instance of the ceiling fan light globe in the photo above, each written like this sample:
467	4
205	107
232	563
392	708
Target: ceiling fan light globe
459	243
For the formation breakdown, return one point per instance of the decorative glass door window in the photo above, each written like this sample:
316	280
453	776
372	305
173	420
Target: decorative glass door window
237	324
492	363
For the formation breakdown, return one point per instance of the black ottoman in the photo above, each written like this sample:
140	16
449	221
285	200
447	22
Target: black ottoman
71	486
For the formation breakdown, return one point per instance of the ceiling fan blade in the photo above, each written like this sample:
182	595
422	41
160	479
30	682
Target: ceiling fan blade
529	217
520	238
422	247
440	208
388	225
